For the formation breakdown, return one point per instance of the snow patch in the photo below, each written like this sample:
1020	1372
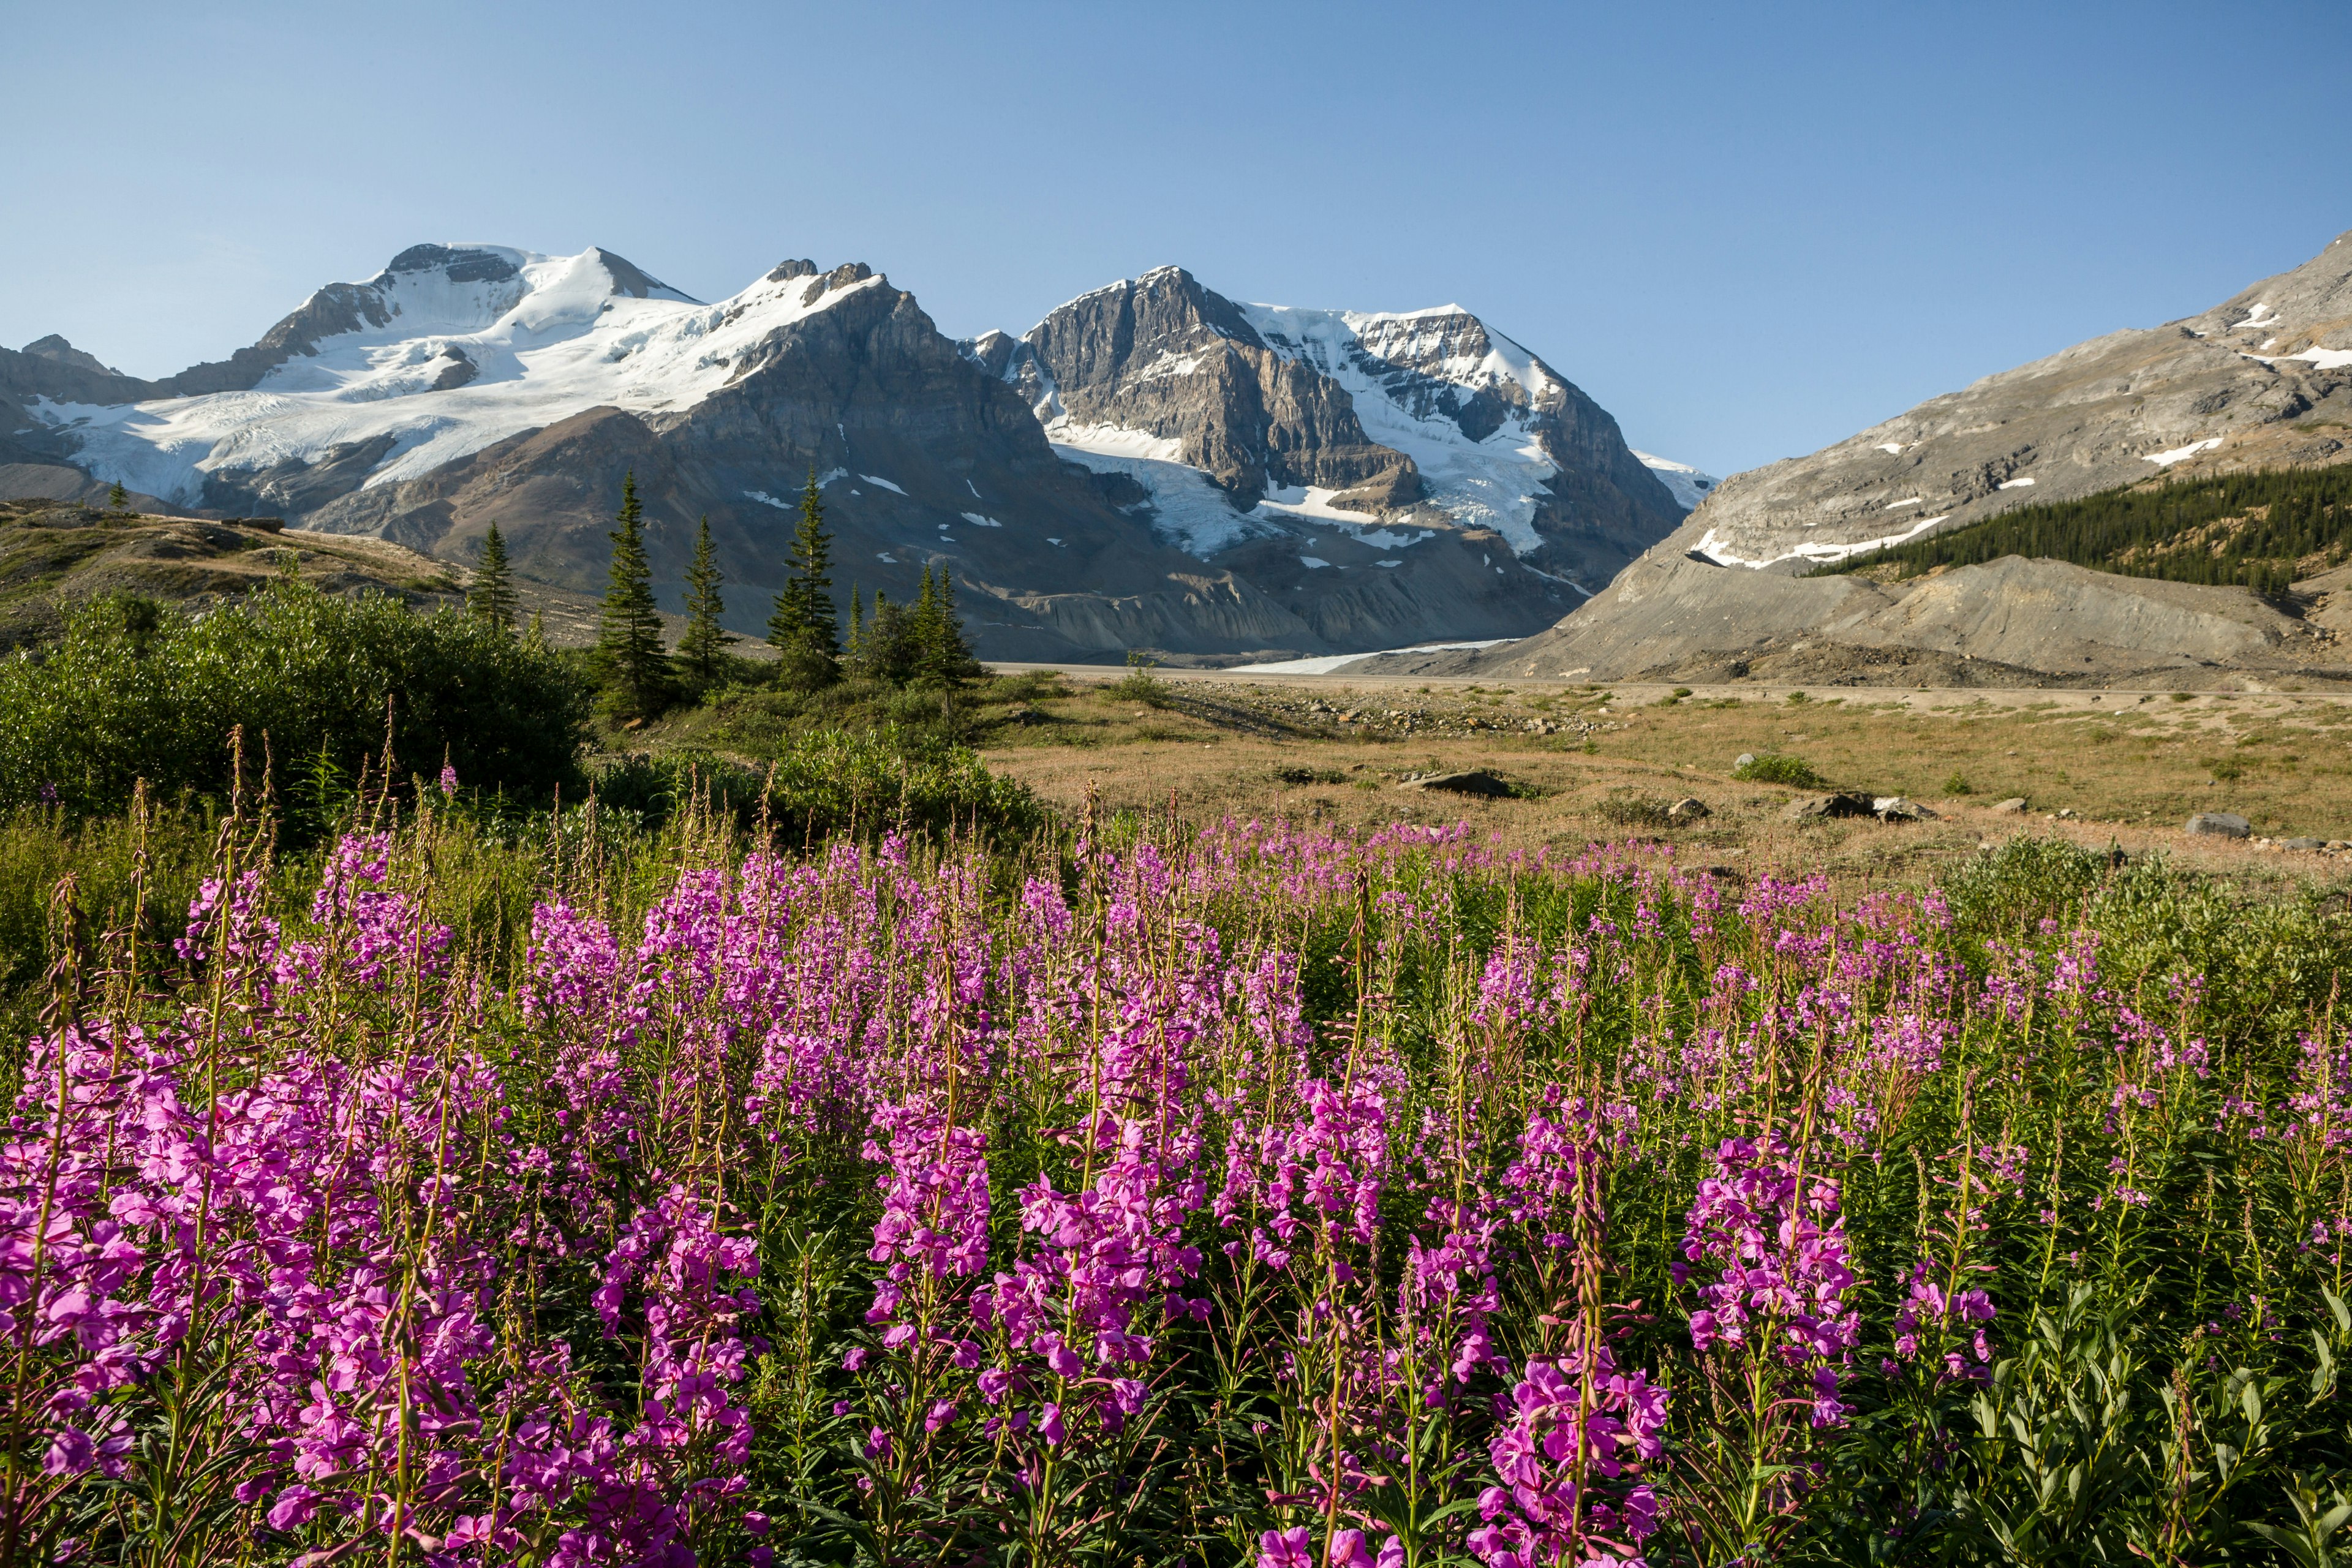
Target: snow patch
1914	501
1715	551
977	521
1115	441
1893	447
2016	484
2178	453
1312	562
764	499
876	479
1186	507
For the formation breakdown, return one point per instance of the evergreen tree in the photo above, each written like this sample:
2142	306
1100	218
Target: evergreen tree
886	645
118	499
942	657
493	597
803	628
852	647
629	634
705	642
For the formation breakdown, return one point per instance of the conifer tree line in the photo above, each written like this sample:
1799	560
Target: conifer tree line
2259	529
920	644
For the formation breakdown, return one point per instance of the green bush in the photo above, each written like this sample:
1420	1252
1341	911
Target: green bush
137	690
822	782
1779	770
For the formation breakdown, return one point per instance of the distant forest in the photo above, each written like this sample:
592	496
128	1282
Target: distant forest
2260	530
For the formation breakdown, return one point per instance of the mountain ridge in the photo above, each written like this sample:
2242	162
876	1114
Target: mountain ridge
462	381
2258	381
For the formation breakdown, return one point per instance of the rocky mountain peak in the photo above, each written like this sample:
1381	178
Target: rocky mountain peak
56	350
457	263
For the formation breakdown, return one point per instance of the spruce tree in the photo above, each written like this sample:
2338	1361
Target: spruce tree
944	657
118	499
705	642
629	634
803	628
886	646
852	646
493	597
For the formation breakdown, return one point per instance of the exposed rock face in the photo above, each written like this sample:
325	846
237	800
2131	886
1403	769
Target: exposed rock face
1164	355
464	384
1426	417
56	350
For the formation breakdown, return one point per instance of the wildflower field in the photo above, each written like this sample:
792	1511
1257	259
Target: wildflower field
1152	1195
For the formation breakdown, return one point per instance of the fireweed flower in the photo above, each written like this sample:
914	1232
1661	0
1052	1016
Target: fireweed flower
458	1251
1774	1232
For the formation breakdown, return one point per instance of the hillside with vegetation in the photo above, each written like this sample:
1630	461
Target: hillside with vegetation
2261	529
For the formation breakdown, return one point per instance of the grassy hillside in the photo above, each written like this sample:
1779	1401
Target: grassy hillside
56	554
2261	531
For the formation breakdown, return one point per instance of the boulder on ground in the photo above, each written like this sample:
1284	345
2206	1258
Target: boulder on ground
2220	825
1476	781
2303	843
2013	806
1898	808
1690	809
1744	760
1810	807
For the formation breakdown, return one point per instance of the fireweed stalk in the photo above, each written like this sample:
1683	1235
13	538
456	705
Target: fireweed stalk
1247	1195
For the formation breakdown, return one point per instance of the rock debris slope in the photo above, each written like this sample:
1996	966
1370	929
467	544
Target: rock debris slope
2262	379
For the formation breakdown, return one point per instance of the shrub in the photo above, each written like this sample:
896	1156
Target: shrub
1140	685
1776	768
832	782
138	690
1957	784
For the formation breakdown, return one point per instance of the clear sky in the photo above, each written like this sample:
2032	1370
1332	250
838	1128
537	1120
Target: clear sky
1747	230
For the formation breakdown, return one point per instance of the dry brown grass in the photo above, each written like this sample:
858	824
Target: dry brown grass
2130	769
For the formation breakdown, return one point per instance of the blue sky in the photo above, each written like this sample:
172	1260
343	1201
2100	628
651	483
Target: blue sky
1747	230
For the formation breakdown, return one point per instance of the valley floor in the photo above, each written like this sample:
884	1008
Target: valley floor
2125	768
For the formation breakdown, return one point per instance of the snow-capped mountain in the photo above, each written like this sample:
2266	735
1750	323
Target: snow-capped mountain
509	340
1245	422
1229	480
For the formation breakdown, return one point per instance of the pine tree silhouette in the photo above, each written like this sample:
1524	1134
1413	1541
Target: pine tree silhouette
803	628
493	597
629	634
705	642
945	658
